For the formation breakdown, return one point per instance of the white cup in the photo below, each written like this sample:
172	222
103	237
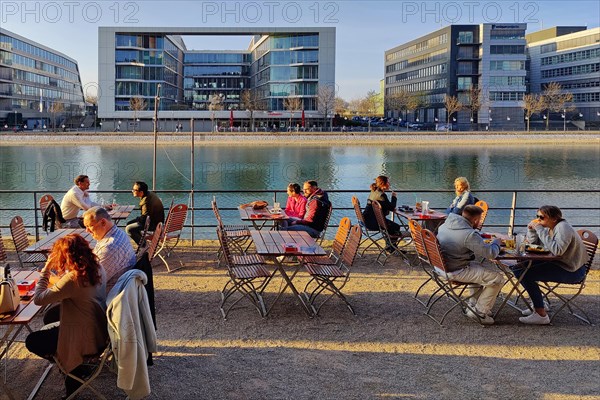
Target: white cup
424	207
276	206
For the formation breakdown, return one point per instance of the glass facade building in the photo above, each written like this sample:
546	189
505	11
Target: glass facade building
38	86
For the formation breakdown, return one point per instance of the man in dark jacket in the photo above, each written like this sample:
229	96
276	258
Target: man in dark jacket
151	207
317	209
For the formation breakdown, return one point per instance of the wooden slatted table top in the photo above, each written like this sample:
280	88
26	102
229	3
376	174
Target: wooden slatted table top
44	245
27	309
272	243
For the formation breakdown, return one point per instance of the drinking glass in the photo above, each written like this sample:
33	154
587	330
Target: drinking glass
520	243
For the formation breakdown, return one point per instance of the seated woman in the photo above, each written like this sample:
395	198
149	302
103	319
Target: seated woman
296	202
463	196
378	189
550	230
81	291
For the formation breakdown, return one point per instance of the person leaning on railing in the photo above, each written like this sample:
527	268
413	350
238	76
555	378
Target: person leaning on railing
463	196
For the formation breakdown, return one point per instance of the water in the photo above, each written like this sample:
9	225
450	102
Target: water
52	168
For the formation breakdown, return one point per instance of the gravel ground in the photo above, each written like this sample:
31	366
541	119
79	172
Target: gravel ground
390	349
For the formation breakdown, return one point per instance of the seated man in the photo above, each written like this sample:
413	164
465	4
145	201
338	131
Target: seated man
77	198
464	249
151	207
317	208
113	248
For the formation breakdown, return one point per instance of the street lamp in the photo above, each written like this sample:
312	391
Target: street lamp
564	117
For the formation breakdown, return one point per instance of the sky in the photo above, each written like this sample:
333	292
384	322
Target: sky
364	29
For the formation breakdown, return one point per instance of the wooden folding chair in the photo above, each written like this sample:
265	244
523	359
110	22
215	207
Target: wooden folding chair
321	236
153	244
451	289
393	242
238	235
44	201
3	256
247	280
21	242
326	277
143	241
339	241
373	237
484	206
171	234
423	260
570	291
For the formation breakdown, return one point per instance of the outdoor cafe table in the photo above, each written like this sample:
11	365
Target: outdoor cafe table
260	217
436	217
117	213
45	244
526	260
18	320
271	244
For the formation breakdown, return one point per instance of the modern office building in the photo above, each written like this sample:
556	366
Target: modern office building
454	59
570	56
206	85
39	86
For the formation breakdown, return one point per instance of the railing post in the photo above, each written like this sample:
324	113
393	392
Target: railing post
35	217
513	208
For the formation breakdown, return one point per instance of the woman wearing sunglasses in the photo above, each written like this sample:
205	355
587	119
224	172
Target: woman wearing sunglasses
551	231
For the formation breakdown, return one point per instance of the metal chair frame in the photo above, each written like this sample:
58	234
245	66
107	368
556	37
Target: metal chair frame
238	235
325	277
172	233
3	255
423	260
368	236
452	289
390	239
590	240
250	280
21	242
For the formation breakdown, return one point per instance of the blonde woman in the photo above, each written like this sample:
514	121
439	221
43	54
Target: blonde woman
463	196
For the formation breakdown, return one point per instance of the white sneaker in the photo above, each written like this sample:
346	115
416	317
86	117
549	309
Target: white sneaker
528	311
535	319
484	320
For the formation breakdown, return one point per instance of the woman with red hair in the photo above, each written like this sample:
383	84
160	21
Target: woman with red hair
81	291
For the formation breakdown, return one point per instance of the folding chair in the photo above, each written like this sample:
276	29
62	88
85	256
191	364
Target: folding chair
19	237
171	234
326	277
484	206
369	235
452	289
3	256
319	239
142	243
392	241
44	201
573	289
423	260
247	280
239	235
95	363
153	245
339	241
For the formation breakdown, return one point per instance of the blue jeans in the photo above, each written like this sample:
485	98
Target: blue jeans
545	271
311	231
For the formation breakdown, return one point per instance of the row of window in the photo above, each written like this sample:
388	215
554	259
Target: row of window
216	58
19	75
506	96
416	48
17	89
17	59
291	73
507	65
225	70
507	81
464	83
468	52
419	73
581	84
139	56
507	34
146	41
215	83
575	70
289	89
146	89
467	67
287	42
586	97
11	43
141	73
420	60
570	57
466	37
191	96
579	42
421	86
507	49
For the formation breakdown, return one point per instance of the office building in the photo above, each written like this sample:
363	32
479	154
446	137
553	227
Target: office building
39	87
208	85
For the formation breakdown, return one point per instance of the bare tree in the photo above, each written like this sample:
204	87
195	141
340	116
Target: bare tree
452	105
217	103
251	102
475	101
136	104
555	100
341	106
292	104
416	101
532	103
326	101
399	101
54	109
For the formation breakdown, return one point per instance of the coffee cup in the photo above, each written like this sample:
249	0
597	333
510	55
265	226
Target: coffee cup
425	207
276	206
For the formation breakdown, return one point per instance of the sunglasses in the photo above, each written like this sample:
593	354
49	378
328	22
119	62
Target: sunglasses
540	217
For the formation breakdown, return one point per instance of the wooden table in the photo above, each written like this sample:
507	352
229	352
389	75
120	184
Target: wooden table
117	213
271	244
18	320
45	244
260	217
436	217
526	258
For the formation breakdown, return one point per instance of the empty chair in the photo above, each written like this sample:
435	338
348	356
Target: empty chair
332	278
21	242
484	206
394	242
171	234
566	293
239	235
372	237
449	288
339	241
248	281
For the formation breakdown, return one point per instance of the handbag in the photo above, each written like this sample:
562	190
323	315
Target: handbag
9	292
256	205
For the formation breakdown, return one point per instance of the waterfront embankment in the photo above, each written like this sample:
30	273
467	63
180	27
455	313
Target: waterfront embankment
306	138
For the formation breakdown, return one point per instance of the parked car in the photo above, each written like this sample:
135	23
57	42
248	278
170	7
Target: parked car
443	127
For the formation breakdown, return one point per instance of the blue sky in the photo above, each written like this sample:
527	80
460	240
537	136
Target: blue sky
365	29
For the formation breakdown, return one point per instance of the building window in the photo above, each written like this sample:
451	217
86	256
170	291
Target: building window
465	37
507	49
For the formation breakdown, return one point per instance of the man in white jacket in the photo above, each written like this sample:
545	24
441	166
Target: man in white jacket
463	249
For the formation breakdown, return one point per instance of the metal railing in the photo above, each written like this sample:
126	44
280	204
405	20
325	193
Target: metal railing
510	210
